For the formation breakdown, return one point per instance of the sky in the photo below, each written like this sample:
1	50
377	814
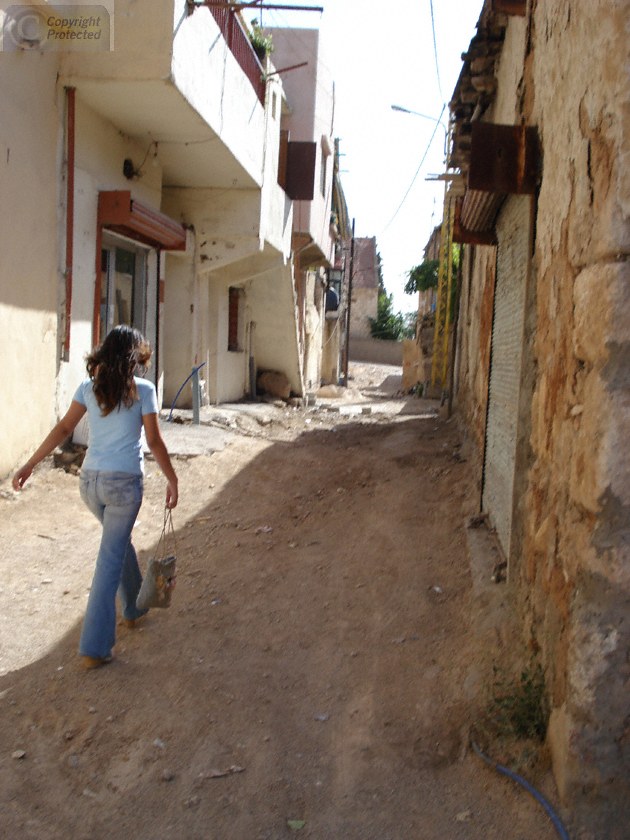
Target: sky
382	54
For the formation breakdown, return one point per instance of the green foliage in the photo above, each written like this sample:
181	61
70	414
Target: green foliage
422	277
387	325
520	707
410	323
259	40
425	276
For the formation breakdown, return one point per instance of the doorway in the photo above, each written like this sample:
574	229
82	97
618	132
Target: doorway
123	285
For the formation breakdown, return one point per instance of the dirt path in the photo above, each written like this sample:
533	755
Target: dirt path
317	665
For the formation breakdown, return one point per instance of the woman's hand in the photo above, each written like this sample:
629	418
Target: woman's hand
62	430
158	448
22	476
171	494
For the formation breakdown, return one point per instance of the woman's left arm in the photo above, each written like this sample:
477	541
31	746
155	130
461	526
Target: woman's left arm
160	453
62	430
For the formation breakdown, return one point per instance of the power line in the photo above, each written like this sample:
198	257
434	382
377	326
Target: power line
413	180
437	67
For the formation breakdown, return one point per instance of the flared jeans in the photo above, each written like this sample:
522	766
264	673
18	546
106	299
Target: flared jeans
115	499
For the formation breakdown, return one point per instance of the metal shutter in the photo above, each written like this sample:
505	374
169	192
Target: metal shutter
513	238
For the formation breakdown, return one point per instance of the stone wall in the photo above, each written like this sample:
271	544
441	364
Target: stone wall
564	69
364	306
376	350
577	574
475	332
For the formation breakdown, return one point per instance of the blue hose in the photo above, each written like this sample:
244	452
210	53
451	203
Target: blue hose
555	819
182	388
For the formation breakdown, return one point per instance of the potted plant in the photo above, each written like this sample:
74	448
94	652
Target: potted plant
260	42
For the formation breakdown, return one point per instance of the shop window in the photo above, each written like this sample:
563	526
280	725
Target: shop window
123	285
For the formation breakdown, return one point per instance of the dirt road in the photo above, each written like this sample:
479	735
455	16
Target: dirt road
316	676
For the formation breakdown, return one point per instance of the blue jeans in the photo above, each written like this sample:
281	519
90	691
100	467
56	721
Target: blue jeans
115	499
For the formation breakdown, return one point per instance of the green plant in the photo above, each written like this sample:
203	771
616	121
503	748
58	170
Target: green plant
387	325
520	707
260	42
422	277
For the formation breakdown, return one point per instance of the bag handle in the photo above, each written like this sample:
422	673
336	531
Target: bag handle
167	535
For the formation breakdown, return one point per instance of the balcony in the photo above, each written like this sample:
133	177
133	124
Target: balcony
241	48
196	87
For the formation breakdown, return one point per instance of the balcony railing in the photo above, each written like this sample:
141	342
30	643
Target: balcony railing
241	48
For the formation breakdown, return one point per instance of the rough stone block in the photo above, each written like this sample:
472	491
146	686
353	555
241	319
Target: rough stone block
590	458
275	383
601	298
560	734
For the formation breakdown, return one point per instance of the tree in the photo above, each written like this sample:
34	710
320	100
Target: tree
422	277
425	276
387	325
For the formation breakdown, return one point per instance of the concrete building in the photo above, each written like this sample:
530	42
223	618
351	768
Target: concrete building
366	282
541	131
141	185
308	137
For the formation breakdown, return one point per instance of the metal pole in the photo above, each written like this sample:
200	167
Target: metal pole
196	395
348	309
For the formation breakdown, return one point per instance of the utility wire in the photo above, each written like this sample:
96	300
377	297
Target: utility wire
413	180
437	67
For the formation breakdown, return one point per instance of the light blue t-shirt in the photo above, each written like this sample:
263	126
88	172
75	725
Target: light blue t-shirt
115	442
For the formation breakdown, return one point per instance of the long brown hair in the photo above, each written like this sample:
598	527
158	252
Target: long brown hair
112	366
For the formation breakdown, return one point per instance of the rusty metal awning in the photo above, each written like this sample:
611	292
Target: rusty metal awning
120	213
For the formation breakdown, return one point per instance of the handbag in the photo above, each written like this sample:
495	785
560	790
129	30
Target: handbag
159	580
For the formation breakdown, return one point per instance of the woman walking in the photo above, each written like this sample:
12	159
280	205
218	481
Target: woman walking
119	404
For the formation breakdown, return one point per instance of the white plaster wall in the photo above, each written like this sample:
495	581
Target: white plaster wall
142	44
324	137
290	47
272	304
310	95
150	330
276	214
330	351
100	150
226	222
208	75
231	365
313	329
228	252
178	353
30	143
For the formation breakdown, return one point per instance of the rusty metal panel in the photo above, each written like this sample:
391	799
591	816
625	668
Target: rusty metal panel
300	179
117	211
510	7
503	159
513	236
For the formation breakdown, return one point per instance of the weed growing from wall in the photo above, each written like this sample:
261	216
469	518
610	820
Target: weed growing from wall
520	707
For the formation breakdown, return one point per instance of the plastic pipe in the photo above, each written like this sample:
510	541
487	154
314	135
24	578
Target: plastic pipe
182	388
555	819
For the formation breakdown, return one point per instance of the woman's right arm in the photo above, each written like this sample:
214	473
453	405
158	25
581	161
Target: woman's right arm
160	453
62	430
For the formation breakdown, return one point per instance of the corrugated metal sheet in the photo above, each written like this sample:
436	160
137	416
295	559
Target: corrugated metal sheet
479	210
505	365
